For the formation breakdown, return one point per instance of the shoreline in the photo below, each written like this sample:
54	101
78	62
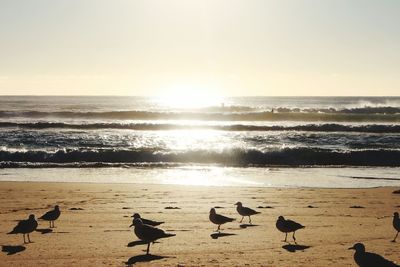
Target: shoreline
215	176
200	186
98	234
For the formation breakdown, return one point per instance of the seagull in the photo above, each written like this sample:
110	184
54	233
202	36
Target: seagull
25	227
148	233
396	224
51	216
145	221
218	219
287	226
244	211
368	259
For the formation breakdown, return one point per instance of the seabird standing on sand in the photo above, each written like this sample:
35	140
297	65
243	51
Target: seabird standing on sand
25	227
148	233
219	219
396	224
51	216
244	211
368	259
287	226
145	221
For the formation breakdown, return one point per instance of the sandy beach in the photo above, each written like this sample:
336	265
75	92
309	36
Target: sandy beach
194	113
93	227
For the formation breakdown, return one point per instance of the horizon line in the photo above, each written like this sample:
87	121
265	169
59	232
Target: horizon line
231	96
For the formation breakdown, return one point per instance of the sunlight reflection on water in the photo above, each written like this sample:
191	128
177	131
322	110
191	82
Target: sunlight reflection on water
214	176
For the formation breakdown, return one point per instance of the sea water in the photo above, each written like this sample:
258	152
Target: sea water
252	141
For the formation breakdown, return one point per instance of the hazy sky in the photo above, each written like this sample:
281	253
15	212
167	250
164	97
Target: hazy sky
229	47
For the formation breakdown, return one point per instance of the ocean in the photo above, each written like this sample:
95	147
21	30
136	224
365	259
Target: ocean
251	141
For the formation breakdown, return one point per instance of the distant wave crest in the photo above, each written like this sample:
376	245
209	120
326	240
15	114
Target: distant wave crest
388	114
328	127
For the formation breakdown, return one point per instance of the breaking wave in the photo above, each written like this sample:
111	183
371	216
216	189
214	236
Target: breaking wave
233	157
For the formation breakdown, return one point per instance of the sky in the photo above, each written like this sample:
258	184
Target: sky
205	47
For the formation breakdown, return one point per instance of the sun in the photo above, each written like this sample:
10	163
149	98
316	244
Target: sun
190	96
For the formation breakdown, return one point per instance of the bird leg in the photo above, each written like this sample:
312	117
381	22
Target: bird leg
148	248
394	240
285	237
294	238
24	238
29	239
241	219
218	230
249	219
50	224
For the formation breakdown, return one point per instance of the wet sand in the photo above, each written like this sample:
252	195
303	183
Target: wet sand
93	227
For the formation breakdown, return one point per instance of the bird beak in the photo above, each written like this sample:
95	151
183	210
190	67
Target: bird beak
131	225
351	248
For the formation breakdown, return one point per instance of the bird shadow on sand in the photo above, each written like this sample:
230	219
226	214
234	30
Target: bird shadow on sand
245	225
144	258
294	248
44	231
218	235
11	250
138	242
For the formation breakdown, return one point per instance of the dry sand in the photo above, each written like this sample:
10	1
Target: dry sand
99	235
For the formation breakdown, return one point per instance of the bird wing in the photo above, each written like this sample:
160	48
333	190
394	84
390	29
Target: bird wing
152	233
148	222
51	215
25	226
377	260
151	222
19	227
396	224
48	215
249	211
293	225
223	219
